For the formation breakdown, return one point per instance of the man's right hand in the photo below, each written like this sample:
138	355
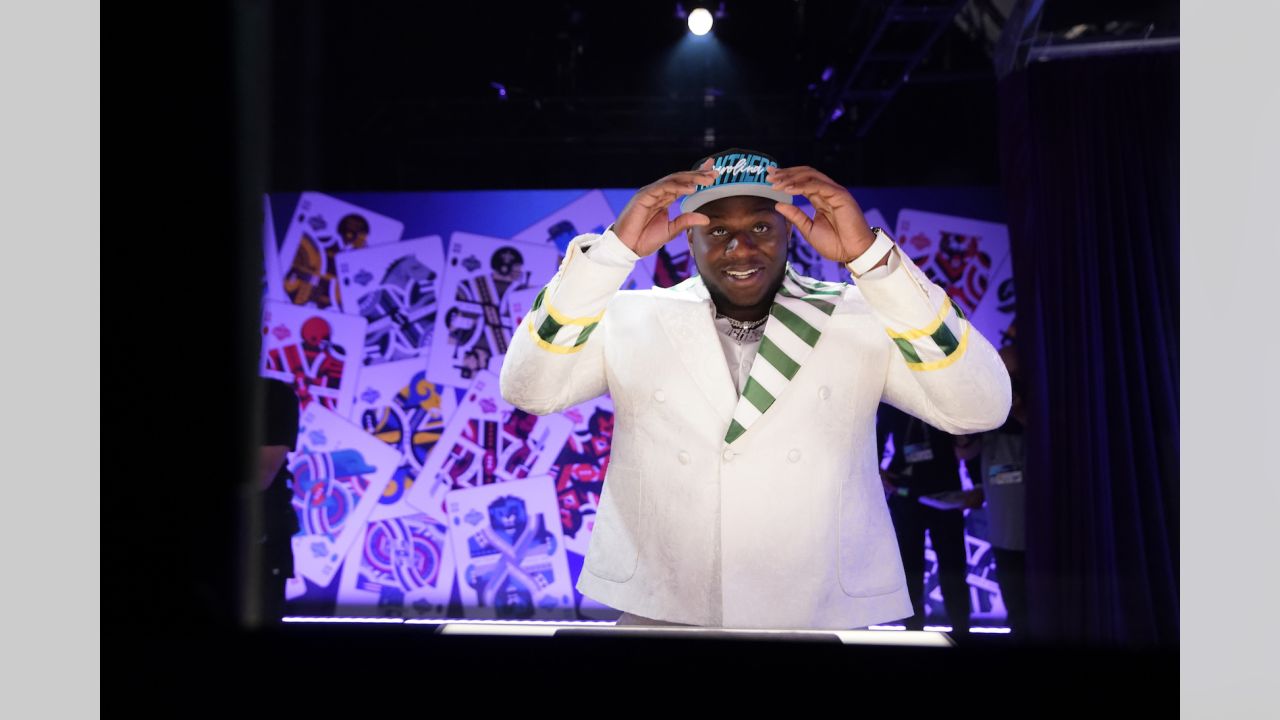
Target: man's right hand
643	224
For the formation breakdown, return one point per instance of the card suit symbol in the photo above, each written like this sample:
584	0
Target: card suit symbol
474	517
281	332
471	263
317	437
317	222
488	405
370	396
364	277
919	240
318	549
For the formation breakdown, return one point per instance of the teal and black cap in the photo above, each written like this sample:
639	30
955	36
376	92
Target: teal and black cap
739	172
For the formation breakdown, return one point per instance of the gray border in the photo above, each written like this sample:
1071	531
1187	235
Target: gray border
50	142
1230	394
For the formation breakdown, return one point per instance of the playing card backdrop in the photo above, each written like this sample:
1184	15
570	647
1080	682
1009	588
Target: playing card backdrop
315	351
272	279
339	472
509	551
579	469
489	284
420	492
487	441
394	288
322	227
397	404
400	567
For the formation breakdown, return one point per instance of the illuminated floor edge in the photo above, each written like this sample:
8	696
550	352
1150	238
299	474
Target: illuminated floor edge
565	623
874	635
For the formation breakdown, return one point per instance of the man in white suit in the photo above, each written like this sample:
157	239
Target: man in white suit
743	487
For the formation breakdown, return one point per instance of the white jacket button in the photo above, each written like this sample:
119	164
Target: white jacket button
728	454
659	396
794	455
684	457
823	392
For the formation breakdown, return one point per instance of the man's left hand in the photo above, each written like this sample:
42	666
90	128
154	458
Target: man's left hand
838	230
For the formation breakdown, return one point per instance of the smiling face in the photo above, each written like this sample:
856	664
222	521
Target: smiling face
741	254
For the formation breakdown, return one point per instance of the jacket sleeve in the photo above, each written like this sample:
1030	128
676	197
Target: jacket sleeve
943	370
556	357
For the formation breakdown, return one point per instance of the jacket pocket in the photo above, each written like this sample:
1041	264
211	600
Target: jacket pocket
614	551
868	558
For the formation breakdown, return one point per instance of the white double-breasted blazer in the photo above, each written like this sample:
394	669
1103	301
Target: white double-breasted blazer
764	510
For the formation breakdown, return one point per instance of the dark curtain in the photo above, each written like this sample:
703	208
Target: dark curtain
1089	156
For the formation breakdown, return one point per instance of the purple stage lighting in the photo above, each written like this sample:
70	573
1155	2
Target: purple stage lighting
502	89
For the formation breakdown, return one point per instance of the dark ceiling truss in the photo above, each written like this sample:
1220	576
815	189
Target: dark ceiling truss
862	86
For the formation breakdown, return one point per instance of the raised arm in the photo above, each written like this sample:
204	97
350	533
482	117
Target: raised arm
556	358
945	372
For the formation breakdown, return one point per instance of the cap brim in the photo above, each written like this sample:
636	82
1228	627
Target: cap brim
764	190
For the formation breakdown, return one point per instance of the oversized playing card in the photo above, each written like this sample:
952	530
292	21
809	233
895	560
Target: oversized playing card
322	227
959	254
489	284
588	214
995	316
509	552
487	441
339	472
579	470
402	567
316	352
396	403
273	287
394	288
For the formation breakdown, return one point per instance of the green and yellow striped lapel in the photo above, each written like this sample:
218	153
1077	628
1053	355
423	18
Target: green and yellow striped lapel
799	314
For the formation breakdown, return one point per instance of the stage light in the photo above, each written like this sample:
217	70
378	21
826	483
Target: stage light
700	21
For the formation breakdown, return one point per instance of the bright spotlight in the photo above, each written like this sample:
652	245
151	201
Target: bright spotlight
700	21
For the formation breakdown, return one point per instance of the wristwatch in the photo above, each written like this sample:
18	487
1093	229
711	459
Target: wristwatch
872	255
